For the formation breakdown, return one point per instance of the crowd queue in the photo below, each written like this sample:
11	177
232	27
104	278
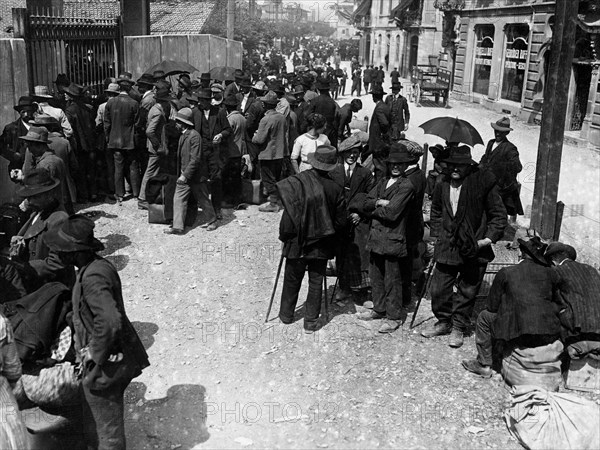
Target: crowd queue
361	200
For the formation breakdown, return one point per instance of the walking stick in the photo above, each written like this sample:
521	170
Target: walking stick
275	286
326	302
423	292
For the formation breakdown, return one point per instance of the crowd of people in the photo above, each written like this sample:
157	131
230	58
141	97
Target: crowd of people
359	199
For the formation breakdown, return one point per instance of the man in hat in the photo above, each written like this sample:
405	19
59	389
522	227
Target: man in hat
125	80
40	156
379	77
37	264
81	120
205	80
42	96
61	147
501	157
190	180
300	109
215	131
145	85
579	287
234	87
314	212
11	147
157	138
346	113
159	75
387	204
271	140
395	76
112	90
352	258
184	90
232	187
368	74
379	132
106	343
467	216
399	113
246	96
522	308
356	81
120	117
327	107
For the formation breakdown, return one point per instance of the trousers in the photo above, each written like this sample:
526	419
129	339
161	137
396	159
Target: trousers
199	190
483	337
155	163
126	162
456	308
292	281
232	181
103	418
386	273
271	172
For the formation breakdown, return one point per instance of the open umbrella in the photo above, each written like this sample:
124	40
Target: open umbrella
222	73
171	67
452	129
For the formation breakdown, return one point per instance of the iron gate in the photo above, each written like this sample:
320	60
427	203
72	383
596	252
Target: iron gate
87	50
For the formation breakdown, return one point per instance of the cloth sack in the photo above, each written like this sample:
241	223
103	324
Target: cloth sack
49	387
537	366
539	419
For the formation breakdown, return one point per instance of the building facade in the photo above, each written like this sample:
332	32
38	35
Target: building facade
502	61
404	33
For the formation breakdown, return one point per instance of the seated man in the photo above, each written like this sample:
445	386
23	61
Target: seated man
579	288
523	308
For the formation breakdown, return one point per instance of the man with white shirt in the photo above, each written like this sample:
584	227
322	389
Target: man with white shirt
41	96
388	205
467	216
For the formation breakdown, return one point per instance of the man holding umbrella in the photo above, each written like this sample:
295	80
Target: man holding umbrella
467	216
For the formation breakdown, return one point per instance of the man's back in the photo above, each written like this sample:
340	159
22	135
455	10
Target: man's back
120	116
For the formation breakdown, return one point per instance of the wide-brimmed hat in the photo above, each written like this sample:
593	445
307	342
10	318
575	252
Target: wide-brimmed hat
146	79
41	92
298	89
558	247
277	88
45	120
158	75
205	76
113	88
125	78
62	80
231	100
460	155
35	182
25	102
413	148
245	81
400	154
163	90
185	115
36	134
396	86
324	158
73	235
260	86
75	90
502	124
205	94
270	98
377	91
350	143
184	81
535	248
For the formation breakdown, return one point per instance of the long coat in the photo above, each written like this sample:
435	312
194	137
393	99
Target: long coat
524	298
156	130
80	118
416	226
237	143
387	235
189	154
271	136
11	147
353	239
214	156
505	164
57	170
100	321
399	115
480	214
379	128
121	114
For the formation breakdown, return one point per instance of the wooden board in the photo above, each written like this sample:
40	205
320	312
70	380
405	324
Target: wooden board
218	51
199	53
141	53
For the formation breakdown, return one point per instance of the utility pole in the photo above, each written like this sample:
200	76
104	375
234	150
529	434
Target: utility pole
230	18
251	8
556	92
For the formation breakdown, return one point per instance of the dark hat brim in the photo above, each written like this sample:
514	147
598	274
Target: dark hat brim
316	164
464	161
29	139
527	247
377	92
187	122
29	191
58	241
400	160
20	108
500	128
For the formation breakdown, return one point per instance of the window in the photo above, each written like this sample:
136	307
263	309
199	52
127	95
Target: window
381	2
515	61
484	48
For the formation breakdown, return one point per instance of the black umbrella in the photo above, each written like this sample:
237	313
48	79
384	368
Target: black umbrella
170	67
452	129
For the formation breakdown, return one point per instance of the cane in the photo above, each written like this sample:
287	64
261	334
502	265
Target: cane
326	302
423	292
275	286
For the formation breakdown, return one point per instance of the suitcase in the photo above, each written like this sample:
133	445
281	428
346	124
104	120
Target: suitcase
160	207
252	192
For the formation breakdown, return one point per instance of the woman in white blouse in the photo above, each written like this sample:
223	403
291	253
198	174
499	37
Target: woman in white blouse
309	141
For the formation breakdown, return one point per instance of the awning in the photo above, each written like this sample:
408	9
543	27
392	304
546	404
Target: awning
364	9
400	8
590	23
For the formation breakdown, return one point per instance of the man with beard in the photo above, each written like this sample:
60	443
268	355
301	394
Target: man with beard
387	205
11	147
467	216
314	212
37	264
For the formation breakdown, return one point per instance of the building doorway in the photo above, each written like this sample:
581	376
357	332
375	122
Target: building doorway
368	49
582	75
413	53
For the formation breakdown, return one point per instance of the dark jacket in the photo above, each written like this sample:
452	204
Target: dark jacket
80	118
271	136
579	289
504	163
378	129
120	117
11	147
524	298
315	211
99	318
480	214
189	156
387	235
326	106
56	167
399	115
415	225
345	119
